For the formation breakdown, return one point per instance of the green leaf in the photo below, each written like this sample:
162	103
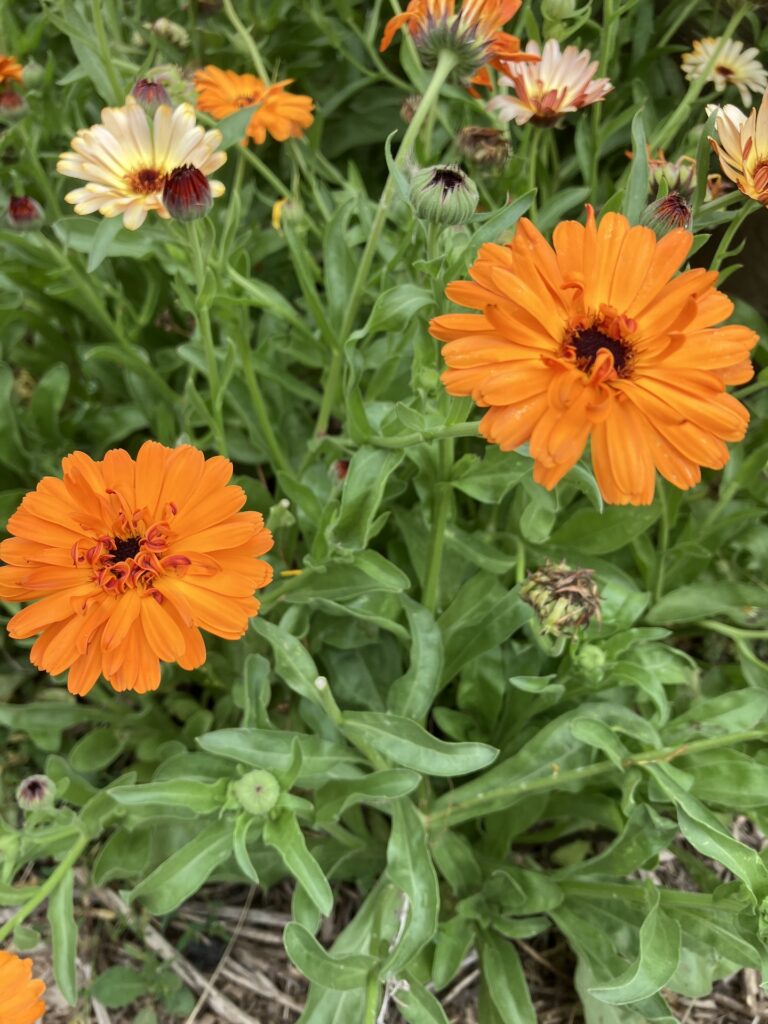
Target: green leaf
61	917
264	296
656	962
293	662
395	308
284	834
367	476
699	600
333	799
599	533
340	973
233	128
106	233
493	227
410	867
182	874
243	824
636	198
505	980
417	1004
406	743
180	794
273	750
413	693
118	986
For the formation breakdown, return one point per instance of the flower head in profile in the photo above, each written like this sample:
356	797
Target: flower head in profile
280	113
743	147
473	32
126	159
565	600
597	338
20	994
125	561
559	84
10	70
733	66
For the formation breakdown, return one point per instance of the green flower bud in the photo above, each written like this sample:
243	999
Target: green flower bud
35	793
34	74
257	792
590	661
443	195
564	599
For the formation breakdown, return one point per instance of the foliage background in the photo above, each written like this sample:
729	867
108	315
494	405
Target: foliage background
646	736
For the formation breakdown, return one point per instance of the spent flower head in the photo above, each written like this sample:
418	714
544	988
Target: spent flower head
484	146
565	600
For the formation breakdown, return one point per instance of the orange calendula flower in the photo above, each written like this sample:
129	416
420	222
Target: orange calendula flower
473	32
281	114
10	70
559	84
126	561
20	994
598	338
743	147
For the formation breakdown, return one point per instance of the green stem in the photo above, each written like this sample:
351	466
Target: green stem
279	460
45	890
203	314
730	232
475	806
669	128
106	56
441	511
270	177
247	38
445	65
533	159
371	1000
425	436
625	891
658	587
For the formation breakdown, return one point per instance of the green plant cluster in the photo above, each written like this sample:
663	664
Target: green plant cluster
394	719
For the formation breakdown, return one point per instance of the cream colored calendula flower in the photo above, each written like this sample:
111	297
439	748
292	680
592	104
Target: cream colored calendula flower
559	83
734	66
743	147
126	159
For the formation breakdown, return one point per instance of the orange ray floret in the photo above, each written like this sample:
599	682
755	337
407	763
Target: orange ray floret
126	561
473	32
281	114
20	995
10	70
598	338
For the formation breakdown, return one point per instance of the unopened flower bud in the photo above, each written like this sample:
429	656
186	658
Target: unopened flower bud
150	95
557	10
33	74
564	599
257	792
186	193
169	30
12	105
664	215
24	213
486	147
35	793
590	661
408	107
443	195
178	85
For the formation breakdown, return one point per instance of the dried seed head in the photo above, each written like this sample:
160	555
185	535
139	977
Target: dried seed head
486	147
564	599
409	107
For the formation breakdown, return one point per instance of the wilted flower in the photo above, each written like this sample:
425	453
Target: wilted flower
560	83
280	113
667	213
443	195
187	193
473	33
486	147
150	94
743	148
35	793
564	599
735	66
598	339
126	561
257	792
169	30
10	70
409	107
126	160
21	995
24	213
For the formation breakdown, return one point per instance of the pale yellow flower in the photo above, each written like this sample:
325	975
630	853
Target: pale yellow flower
734	66
743	147
126	159
559	83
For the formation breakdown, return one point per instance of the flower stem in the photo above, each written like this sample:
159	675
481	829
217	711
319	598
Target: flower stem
45	890
730	232
440	512
279	461
268	175
445	65
203	315
247	38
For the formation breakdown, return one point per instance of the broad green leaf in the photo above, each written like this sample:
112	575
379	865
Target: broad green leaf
417	1004
182	874
180	794
410	868
106	233
118	986
333	799
242	827
452	943
340	973
61	917
636	197
367	476
273	750
495	226
599	533
293	662
233	128
395	308
656	962
413	693
699	601
728	778
504	977
407	743
284	834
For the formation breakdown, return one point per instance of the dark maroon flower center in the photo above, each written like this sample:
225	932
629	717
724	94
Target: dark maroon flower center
447	179
125	547
586	344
